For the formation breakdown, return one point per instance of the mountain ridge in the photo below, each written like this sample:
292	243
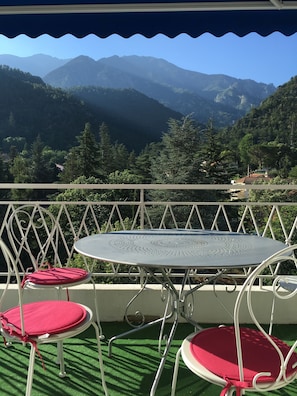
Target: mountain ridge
38	64
221	98
218	97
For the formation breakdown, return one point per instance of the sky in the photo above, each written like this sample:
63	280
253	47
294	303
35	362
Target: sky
271	59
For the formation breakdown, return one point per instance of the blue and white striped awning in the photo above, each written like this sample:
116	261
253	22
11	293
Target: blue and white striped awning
148	18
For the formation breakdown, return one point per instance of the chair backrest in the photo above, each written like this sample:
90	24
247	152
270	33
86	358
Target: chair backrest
34	236
282	262
13	276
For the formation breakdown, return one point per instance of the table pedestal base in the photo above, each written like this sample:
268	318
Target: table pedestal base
177	303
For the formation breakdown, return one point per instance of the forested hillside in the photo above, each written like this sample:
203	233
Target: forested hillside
275	119
136	118
267	135
30	108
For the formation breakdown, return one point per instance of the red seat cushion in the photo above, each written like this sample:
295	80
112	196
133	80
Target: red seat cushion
215	348
43	317
57	276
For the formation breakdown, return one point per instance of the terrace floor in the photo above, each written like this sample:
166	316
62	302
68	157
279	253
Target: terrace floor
130	371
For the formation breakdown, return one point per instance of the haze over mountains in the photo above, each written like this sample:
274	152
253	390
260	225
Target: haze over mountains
220	98
37	65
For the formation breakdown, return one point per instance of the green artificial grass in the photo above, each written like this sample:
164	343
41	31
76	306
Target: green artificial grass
129	372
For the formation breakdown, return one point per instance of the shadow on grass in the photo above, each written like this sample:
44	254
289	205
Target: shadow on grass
129	372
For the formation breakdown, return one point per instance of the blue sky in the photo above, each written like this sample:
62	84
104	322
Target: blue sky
270	59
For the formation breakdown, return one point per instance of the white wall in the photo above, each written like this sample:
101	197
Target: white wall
209	307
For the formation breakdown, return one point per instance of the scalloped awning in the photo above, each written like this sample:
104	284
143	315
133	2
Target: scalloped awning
148	18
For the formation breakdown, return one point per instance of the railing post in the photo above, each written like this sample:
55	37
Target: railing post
142	205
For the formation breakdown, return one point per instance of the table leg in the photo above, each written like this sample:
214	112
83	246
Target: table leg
161	320
177	308
164	356
145	326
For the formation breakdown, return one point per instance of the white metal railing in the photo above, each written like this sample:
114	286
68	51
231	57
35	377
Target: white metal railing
76	219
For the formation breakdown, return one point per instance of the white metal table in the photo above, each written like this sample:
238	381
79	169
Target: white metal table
164	249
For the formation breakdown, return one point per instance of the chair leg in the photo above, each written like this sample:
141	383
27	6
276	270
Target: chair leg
175	372
97	311
60	354
100	358
30	370
271	315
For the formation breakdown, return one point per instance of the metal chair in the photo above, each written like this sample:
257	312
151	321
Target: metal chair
243	358
42	322
37	240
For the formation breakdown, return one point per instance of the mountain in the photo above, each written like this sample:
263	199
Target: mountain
30	108
221	98
38	65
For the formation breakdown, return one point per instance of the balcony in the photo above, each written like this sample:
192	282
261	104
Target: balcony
76	219
116	285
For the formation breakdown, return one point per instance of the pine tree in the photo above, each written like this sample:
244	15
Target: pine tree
40	171
106	152
178	160
87	152
82	160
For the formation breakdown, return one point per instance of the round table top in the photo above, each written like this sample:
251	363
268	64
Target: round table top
175	248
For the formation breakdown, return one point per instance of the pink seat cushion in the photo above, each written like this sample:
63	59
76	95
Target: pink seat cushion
215	348
57	276
43	317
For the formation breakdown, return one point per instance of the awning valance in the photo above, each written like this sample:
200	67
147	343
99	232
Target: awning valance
148	18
